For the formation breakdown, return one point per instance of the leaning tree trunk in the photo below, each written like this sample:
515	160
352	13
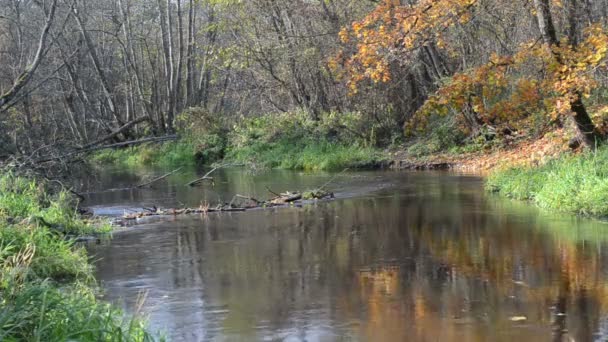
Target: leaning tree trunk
586	129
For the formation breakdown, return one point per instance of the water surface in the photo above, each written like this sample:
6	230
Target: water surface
397	256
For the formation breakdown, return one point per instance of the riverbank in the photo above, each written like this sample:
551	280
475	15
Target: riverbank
544	172
47	288
575	183
291	141
485	161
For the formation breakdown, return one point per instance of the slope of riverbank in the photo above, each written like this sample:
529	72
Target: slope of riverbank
526	152
576	183
544	171
47	288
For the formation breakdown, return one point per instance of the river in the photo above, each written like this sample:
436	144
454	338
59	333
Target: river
397	256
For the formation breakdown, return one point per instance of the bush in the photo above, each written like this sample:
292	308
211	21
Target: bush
444	135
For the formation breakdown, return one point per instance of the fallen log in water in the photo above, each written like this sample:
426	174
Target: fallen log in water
283	199
243	203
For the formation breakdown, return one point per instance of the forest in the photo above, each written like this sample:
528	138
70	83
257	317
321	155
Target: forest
517	90
81	74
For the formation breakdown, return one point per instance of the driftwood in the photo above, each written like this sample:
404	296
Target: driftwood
409	165
131	143
279	200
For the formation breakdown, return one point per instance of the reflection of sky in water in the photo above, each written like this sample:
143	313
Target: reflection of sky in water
406	256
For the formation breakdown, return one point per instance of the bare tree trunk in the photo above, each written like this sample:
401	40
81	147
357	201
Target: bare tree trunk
572	9
98	68
177	90
132	67
190	56
165	26
205	74
170	111
584	124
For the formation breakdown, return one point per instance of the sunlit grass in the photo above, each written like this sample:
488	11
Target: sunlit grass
573	183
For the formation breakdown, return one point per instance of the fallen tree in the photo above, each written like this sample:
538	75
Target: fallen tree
239	203
107	147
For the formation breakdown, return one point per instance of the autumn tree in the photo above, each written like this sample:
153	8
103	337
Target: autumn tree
574	102
519	78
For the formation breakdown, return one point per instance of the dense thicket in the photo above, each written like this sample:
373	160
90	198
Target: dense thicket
74	72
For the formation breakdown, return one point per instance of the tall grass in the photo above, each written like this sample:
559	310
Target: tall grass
310	156
181	153
46	281
573	183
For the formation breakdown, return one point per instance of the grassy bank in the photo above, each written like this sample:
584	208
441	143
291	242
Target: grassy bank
47	289
180	153
571	183
288	141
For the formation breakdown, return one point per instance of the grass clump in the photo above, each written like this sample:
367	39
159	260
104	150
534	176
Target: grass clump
46	281
572	183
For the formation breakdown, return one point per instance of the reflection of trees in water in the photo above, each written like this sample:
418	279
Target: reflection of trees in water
539	270
446	264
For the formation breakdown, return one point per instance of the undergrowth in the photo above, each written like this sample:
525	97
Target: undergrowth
287	141
179	153
47	288
573	183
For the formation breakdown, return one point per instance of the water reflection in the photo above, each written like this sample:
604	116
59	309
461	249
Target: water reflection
431	258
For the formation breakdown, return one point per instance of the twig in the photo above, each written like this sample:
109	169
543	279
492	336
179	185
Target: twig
115	133
159	178
331	180
272	192
206	176
69	189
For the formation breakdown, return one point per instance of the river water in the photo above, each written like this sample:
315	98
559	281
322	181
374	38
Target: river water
397	256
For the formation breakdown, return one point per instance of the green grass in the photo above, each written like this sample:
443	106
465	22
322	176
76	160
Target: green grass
181	153
574	183
46	281
310	156
43	312
287	141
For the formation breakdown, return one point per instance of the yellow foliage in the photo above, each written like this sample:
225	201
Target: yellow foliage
392	27
535	79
